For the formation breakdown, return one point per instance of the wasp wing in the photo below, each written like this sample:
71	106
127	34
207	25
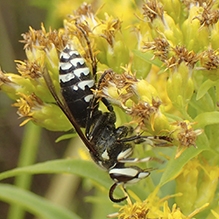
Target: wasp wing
64	107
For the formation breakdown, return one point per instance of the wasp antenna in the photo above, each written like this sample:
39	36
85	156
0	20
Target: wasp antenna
93	59
112	188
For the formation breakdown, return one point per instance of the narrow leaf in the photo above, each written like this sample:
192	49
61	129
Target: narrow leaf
34	204
148	57
207	118
72	166
205	87
65	137
174	166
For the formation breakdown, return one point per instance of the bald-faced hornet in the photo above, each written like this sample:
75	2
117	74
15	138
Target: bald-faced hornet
110	147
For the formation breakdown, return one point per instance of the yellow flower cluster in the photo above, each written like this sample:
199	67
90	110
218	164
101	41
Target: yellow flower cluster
153	207
160	66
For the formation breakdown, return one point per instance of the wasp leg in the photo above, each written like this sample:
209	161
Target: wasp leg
107	104
143	160
111	191
157	141
103	99
102	77
94	114
123	157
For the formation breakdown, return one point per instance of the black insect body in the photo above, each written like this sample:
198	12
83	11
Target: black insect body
110	147
76	83
112	152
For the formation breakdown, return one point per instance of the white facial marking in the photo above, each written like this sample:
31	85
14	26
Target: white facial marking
75	61
89	83
88	98
105	155
79	71
124	154
66	77
65	66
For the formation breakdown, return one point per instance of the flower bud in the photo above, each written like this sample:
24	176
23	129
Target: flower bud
117	56
173	8
186	183
208	185
172	32
180	87
48	116
192	31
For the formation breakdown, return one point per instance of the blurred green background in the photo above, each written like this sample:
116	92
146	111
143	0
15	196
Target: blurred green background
15	18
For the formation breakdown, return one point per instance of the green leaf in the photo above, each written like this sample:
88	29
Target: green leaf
205	87
207	118
33	203
82	168
66	136
148	57
174	166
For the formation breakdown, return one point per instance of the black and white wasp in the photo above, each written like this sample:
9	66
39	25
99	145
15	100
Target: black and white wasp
109	147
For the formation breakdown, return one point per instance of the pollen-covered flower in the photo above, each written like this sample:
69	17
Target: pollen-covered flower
210	63
185	135
31	107
208	17
109	43
42	50
158	63
153	207
137	97
160	47
141	101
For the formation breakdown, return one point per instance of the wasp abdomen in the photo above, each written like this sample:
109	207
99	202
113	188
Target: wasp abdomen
76	83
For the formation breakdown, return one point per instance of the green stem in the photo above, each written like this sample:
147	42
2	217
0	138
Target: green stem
27	157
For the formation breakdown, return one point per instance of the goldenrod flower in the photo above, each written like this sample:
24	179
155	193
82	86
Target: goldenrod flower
45	115
185	135
153	207
159	64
